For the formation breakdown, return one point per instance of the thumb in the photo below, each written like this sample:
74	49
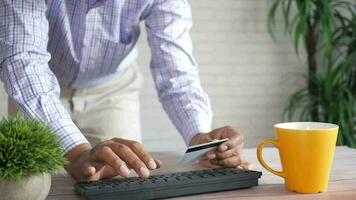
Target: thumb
90	168
97	171
89	171
105	172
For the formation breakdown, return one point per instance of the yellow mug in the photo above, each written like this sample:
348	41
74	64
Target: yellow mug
306	151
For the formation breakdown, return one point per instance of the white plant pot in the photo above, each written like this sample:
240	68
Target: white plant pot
31	188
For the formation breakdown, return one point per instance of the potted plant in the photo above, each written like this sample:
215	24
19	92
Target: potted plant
327	30
29	152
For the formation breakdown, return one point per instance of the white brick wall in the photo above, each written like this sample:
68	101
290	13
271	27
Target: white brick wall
247	76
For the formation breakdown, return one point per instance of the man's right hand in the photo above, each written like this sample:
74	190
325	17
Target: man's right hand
108	159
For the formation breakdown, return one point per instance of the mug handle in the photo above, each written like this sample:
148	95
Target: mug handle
260	158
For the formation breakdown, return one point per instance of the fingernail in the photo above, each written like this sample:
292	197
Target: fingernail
144	171
211	156
91	171
124	170
159	163
223	148
152	164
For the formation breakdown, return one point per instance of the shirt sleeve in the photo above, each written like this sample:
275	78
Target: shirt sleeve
174	69
24	68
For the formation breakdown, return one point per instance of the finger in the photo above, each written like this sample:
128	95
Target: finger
138	149
221	155
131	159
158	163
211	154
106	155
208	164
233	142
226	154
95	171
105	172
90	168
229	162
216	134
246	165
89	171
239	151
235	139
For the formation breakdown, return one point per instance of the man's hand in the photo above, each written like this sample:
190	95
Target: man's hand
228	154
108	159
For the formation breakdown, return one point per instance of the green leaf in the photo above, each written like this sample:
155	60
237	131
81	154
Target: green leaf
300	30
286	12
271	19
331	27
28	147
327	20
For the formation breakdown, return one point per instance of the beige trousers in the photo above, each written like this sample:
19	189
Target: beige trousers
105	111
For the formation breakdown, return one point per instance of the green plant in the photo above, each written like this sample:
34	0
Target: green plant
27	147
327	29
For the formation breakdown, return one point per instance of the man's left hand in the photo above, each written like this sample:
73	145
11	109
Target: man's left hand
228	154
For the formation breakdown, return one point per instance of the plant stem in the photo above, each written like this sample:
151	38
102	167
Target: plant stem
311	47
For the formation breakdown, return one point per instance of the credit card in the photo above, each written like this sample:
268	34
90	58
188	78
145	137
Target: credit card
197	152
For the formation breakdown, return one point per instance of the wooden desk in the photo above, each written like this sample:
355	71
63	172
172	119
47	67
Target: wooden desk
342	183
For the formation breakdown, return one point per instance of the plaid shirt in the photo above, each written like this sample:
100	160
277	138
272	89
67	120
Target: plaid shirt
83	43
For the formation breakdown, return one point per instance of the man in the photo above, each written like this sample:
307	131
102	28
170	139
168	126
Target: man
86	50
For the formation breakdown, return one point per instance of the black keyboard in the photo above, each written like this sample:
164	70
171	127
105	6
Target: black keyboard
168	185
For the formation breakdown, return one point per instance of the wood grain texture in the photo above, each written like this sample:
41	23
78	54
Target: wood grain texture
342	184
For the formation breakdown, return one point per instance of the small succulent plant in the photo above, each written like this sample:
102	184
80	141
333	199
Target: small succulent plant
27	147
